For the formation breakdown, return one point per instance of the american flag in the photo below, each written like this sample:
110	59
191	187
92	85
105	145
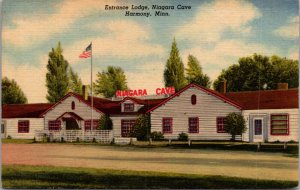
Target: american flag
87	53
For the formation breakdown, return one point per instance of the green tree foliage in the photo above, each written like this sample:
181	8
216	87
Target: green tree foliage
194	72
259	72
12	93
57	79
75	83
235	124
141	129
108	82
105	123
174	70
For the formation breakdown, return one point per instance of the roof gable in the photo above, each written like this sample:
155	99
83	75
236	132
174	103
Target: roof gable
209	91
80	98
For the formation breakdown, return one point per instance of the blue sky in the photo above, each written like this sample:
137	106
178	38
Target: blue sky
216	32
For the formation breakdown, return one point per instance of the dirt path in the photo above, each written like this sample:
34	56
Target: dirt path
207	162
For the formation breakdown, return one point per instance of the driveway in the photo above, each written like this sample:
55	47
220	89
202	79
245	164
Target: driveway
256	165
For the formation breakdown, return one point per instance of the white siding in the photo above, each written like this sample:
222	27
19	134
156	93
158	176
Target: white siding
11	126
293	123
117	124
81	109
207	109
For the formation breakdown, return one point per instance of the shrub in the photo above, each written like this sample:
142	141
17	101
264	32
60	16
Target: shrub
141	128
9	137
183	136
156	135
235	124
105	123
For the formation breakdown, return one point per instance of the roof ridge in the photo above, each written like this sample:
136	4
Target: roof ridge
255	91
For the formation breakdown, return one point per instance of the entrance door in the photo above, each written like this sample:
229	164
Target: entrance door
258	130
71	124
3	130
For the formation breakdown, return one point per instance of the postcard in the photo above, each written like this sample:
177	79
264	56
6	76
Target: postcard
133	94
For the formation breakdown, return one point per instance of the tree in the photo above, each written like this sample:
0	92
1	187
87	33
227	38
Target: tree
194	72
108	82
174	70
57	79
259	72
75	83
235	124
12	93
105	123
141	129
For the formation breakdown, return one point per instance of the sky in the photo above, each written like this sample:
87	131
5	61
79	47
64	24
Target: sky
218	33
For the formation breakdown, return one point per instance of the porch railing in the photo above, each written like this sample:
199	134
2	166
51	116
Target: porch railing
101	136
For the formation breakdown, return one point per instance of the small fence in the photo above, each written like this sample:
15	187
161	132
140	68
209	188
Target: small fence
101	136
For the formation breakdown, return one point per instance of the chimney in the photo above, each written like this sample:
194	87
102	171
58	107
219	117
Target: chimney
85	92
282	86
223	86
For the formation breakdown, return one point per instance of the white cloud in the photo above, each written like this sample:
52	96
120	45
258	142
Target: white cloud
32	80
290	30
118	42
38	27
216	17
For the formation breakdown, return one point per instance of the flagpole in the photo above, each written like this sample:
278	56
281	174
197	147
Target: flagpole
92	101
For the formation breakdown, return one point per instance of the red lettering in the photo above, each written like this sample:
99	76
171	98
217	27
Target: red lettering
140	92
145	92
172	90
158	91
118	93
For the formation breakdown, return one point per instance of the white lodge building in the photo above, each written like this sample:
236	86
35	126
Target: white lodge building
270	115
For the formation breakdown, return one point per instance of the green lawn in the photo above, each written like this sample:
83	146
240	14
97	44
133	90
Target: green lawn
292	148
16	176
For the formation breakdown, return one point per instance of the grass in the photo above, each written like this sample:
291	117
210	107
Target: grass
292	148
41	177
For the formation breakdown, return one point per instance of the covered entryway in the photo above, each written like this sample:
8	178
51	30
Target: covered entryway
71	121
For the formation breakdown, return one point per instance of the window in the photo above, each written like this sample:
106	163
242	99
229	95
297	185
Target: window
127	127
88	126
279	124
220	124
23	126
128	107
193	99
73	105
193	125
167	125
54	125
